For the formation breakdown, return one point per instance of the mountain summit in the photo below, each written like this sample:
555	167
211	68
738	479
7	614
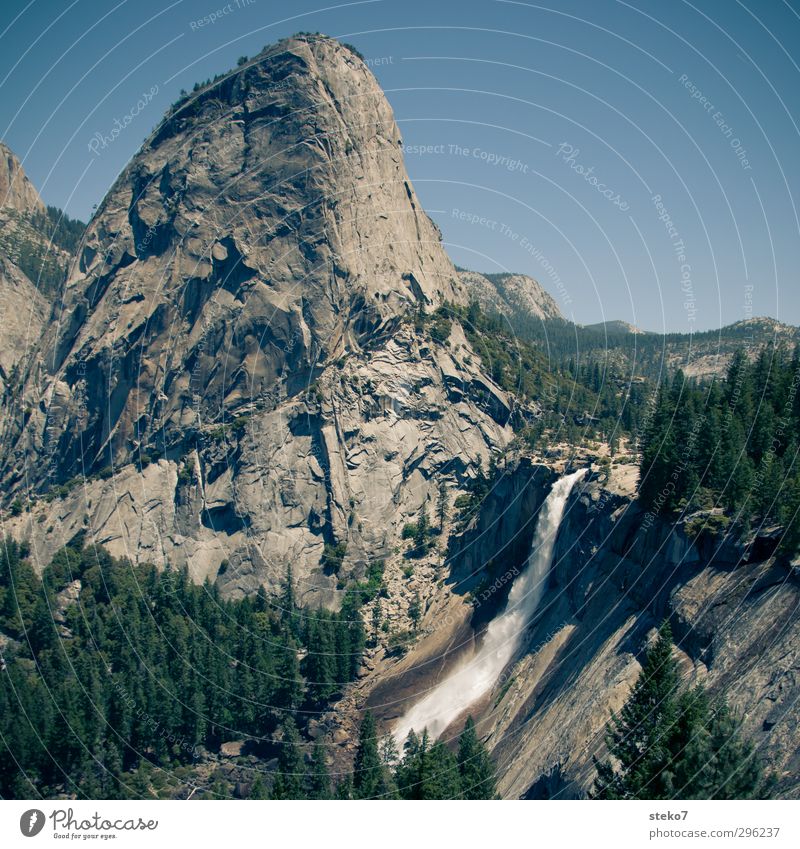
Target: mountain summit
239	349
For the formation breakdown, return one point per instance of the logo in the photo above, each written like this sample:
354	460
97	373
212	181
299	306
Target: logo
31	822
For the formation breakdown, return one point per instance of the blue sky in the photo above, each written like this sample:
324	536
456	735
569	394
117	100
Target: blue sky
639	158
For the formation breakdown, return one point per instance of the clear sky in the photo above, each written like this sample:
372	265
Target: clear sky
540	136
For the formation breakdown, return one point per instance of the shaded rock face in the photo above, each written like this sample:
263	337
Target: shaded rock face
499	537
350	464
267	228
16	190
240	310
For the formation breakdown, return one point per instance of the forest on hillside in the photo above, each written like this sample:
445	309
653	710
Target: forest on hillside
123	681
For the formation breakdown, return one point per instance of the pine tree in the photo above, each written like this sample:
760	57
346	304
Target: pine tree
411	768
290	620
474	765
350	637
789	511
639	737
320	663
441	504
368	774
320	781
289	685
344	789
288	782
669	746
376	622
258	789
415	610
440	776
421	534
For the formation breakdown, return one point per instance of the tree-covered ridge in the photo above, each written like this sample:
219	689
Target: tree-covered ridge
108	667
55	225
723	444
644	355
669	743
729	444
112	672
578	398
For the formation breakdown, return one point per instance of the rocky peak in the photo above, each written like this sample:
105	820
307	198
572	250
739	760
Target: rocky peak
16	190
265	229
244	373
515	296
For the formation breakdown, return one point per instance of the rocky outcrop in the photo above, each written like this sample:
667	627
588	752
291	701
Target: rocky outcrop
736	625
515	296
349	464
16	190
243	381
23	308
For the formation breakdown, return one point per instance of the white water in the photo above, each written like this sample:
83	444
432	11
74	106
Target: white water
475	677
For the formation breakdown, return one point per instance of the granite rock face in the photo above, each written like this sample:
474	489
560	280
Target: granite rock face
25	312
734	614
22	306
16	190
515	296
266	229
238	381
733	609
241	379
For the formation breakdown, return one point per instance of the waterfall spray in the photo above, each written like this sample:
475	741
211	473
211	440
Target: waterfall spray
476	676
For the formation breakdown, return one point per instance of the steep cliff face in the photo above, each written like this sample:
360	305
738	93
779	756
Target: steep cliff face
24	312
242	381
22	306
267	228
242	308
734	612
16	190
733	609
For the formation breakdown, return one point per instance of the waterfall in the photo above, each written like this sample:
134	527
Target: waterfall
475	677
